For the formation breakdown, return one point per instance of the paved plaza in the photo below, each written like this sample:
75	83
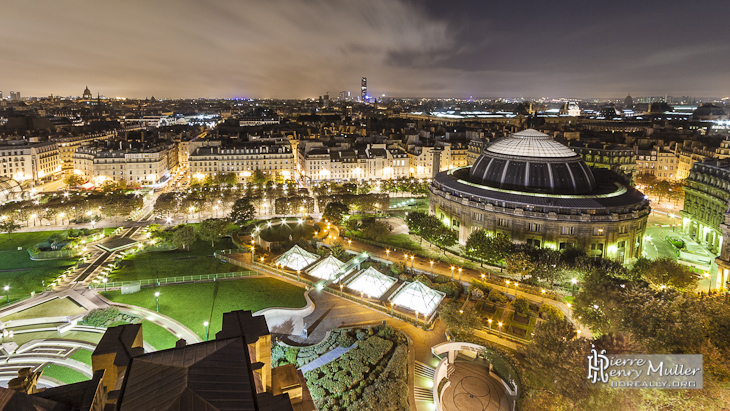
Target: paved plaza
472	389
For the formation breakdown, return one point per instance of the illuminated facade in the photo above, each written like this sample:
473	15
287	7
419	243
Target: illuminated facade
538	191
706	195
372	162
273	157
135	166
32	162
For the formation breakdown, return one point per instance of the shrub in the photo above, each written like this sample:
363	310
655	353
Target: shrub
496	296
291	355
521	305
100	316
277	354
345	339
477	294
452	289
548	311
398	267
441	279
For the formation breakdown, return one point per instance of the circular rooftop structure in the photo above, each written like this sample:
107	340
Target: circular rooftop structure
531	161
10	190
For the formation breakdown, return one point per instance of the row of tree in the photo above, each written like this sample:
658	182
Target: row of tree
432	229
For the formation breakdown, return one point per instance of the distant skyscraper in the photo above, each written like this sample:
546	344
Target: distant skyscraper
364	88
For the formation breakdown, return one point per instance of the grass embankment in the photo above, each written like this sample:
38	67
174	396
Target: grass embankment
162	264
22	274
54	308
63	374
193	304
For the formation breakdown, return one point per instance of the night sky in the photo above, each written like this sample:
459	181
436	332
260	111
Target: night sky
304	48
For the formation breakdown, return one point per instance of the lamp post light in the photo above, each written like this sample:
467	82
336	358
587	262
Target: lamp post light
431	268
569	305
157	300
299	273
412	264
516	284
490	324
391	308
349	244
506	287
206	324
460	274
482	277
341	287
574	281
405	257
387	254
543	295
500	328
104	280
452	273
7	294
578	333
416	318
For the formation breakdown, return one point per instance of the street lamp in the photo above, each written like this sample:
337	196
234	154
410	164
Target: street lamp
299	273
506	287
391	308
578	331
431	268
574	281
452	273
543	295
412	263
157	300
490	324
104	280
387	254
7	294
459	273
482	277
500	328
349	244
341	286
206	324
416	318
516	284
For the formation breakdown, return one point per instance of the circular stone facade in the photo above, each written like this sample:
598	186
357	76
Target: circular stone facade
538	191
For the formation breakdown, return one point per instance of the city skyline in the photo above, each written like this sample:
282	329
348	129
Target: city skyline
302	50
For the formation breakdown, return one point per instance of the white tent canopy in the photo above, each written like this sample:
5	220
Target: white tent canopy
418	297
371	282
327	268
297	258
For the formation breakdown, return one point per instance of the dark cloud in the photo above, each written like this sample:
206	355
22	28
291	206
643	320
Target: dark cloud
302	48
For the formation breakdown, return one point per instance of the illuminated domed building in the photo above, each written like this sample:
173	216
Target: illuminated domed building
540	192
87	94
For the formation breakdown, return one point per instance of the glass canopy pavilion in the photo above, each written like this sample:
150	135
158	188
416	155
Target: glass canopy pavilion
370	282
418	297
297	258
327	268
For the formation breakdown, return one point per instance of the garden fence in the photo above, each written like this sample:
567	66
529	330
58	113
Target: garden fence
177	280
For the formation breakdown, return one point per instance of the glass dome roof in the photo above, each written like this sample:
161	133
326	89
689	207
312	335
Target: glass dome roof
532	161
10	190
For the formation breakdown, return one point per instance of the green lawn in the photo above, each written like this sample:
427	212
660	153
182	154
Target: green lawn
192	304
161	264
54	308
157	336
82	355
63	374
21	283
